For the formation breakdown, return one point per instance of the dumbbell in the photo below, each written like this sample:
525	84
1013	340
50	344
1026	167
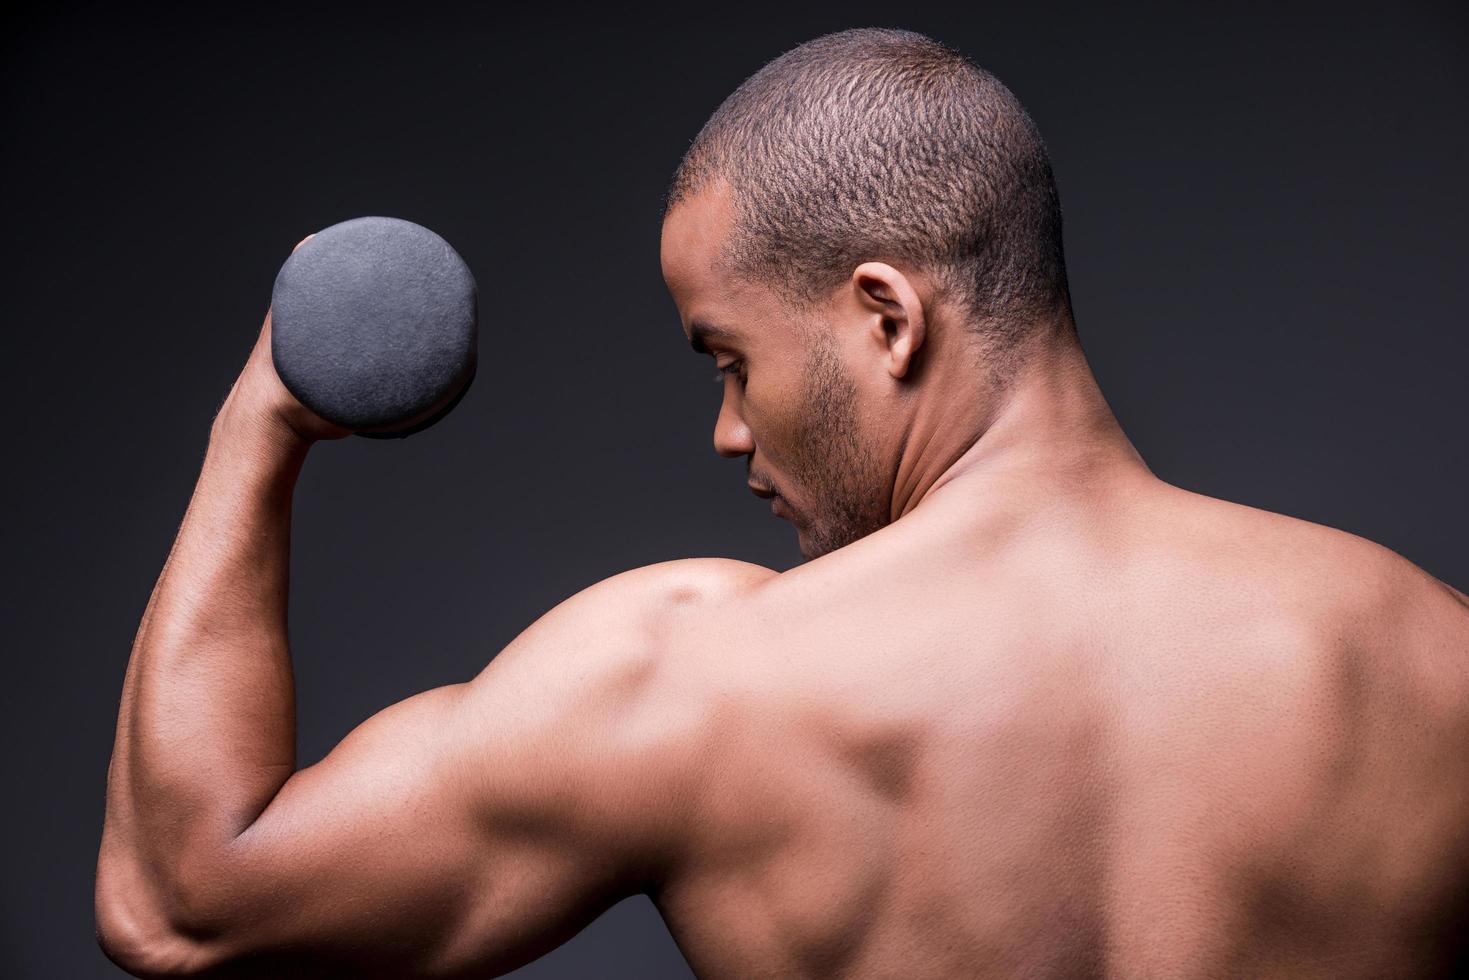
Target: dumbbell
375	326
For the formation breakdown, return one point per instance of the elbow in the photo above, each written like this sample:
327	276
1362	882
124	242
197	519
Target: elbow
139	948
137	936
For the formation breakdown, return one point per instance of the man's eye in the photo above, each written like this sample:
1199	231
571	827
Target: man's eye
721	373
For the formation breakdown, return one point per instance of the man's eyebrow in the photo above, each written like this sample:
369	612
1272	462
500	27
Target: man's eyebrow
699	332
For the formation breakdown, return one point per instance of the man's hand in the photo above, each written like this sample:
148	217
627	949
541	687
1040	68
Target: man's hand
465	829
259	394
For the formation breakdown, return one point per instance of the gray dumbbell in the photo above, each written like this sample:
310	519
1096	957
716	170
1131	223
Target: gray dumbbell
375	327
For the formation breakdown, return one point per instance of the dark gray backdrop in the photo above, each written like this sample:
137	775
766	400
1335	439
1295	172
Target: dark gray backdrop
1265	213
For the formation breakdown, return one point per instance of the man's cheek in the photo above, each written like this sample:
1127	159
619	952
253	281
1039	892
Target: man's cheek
779	431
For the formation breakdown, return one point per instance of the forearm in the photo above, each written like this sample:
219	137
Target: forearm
206	729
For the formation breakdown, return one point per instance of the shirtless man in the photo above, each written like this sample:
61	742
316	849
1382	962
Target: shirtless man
1026	711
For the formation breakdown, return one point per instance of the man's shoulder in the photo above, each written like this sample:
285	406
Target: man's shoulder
1337	566
611	651
682	581
1325	589
587	712
632	606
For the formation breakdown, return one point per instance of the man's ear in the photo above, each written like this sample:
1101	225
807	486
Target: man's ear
896	311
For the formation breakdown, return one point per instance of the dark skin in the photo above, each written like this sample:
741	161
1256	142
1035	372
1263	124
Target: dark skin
1027	711
433	838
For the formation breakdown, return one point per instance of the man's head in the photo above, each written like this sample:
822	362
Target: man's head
872	223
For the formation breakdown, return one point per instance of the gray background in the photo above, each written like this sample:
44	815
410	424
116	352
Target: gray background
1265	212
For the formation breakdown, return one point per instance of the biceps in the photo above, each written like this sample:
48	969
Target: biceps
383	858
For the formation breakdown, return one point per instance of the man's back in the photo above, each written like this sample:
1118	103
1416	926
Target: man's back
1130	731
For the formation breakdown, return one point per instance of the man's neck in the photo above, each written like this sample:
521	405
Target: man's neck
1051	425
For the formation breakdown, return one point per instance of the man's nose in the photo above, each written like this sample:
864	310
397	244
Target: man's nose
732	437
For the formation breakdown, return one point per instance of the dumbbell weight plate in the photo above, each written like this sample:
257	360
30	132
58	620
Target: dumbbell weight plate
374	326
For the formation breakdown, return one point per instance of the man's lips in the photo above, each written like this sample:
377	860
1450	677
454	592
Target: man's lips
777	504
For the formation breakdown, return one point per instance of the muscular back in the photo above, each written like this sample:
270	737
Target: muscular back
1119	731
1152	734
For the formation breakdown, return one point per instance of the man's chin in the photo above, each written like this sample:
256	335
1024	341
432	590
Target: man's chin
810	549
811	546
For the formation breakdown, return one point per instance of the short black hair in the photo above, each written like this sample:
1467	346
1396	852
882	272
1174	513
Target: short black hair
884	144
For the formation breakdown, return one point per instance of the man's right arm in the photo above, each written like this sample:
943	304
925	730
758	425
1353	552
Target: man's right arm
472	828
